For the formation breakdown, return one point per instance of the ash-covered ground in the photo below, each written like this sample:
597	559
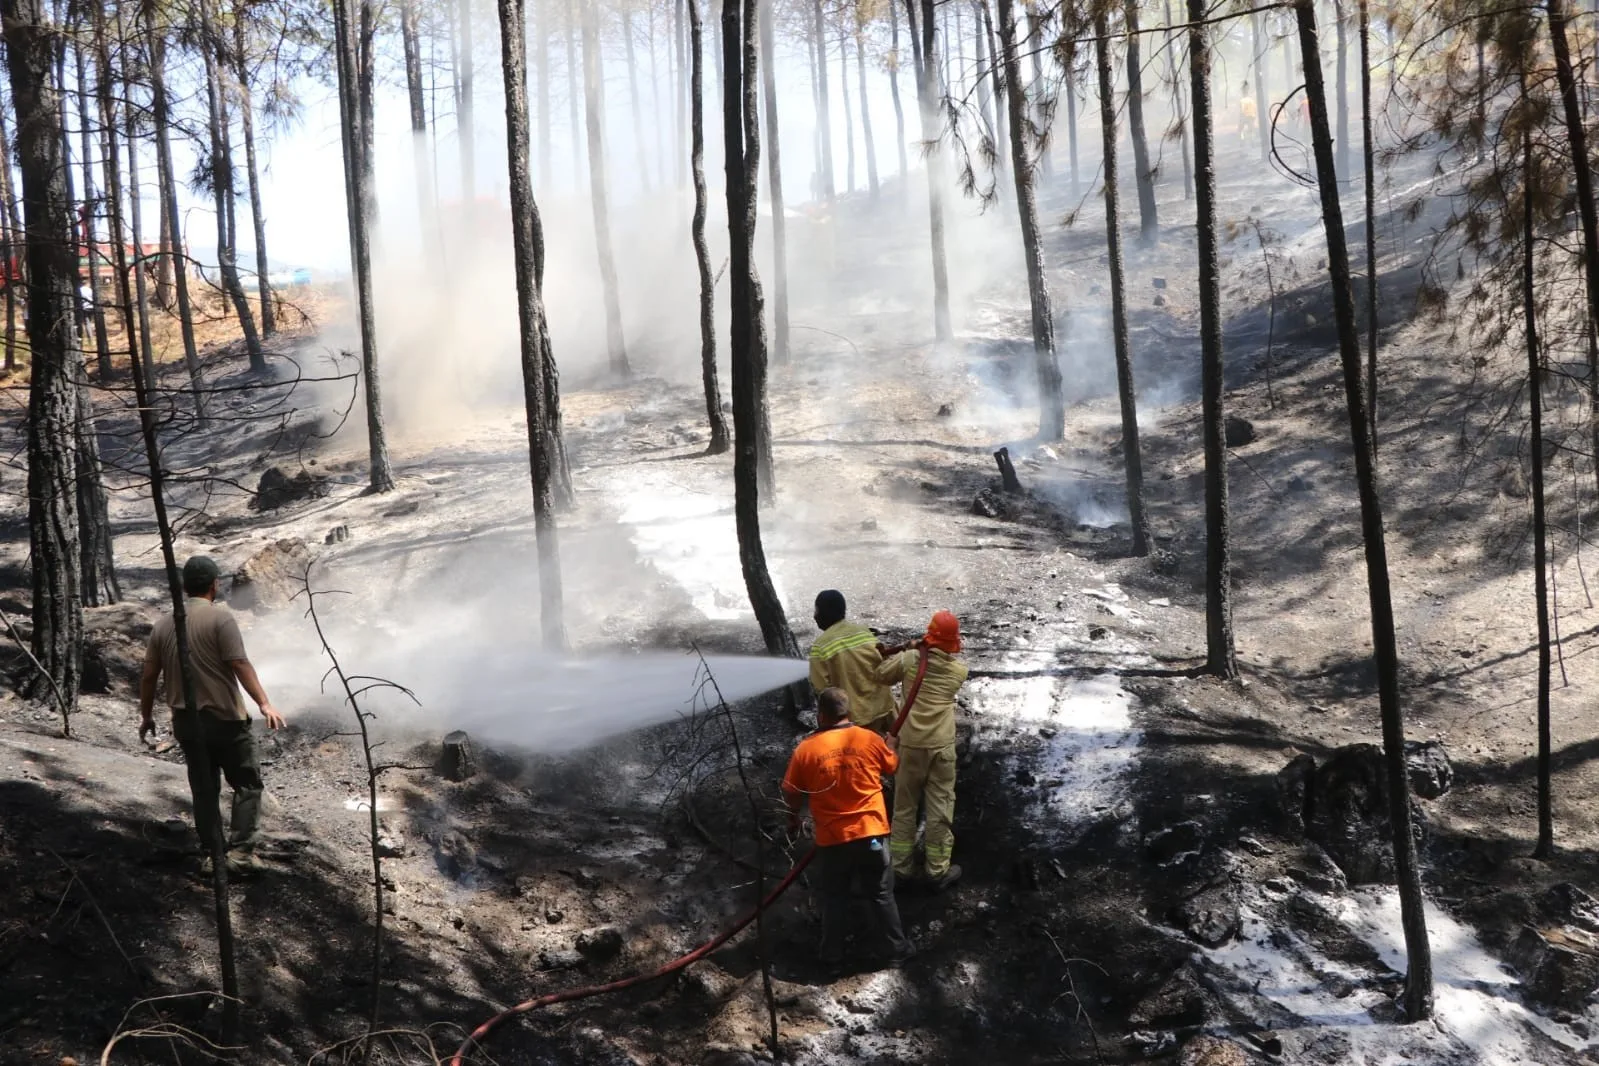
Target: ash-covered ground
1141	883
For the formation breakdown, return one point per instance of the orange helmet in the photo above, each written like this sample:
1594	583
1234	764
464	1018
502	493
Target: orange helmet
944	632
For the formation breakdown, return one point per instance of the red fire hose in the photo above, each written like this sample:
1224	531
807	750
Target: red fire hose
682	961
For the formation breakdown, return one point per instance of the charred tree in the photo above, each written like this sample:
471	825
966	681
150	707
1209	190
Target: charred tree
1071	123
1046	113
774	187
1540	525
893	87
866	114
1125	386
1179	108
752	475
52	269
1220	656
222	186
135	215
985	99
12	249
527	251
427	213
1143	170
173	252
241	68
1051	402
541	35
849	114
1368	152
702	253
90	257
633	98
573	91
594	112
1262	112
824	119
985	32
927	95
1418	983
358	204
1582	169
466	133
1341	37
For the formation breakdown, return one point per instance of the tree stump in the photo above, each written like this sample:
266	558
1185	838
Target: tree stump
456	762
1008	480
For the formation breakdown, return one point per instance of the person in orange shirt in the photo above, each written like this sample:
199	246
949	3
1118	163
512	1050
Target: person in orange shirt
838	770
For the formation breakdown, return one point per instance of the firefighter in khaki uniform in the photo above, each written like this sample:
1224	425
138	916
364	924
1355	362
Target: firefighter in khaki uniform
845	656
926	776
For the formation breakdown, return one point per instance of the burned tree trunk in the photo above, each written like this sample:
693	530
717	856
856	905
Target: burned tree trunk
633	98
1036	21
893	86
573	92
702	253
1051	402
747	334
173	253
849	113
1220	657
866	113
1125	388
466	134
1368	152
1143	173
1418	984
12	248
90	257
1178	107
357	200
1342	72
774	185
1071	125
135	214
824	119
594	112
1540	526
927	94
416	97
53	390
1262	114
241	61
1582	169
1002	126
527	245
222	188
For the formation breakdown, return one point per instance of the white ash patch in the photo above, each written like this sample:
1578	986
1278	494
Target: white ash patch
1072	740
1480	1019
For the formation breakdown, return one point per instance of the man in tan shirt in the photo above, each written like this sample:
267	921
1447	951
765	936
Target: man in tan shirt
845	656
215	735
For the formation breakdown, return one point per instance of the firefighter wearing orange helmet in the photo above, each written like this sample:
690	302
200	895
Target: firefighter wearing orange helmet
925	780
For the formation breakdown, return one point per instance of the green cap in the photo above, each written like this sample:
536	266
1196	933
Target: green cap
199	572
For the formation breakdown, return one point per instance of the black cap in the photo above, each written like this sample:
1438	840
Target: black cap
199	573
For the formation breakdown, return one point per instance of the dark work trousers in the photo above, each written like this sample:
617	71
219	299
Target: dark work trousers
859	869
228	747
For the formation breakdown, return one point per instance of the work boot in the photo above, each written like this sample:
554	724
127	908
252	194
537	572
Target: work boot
946	879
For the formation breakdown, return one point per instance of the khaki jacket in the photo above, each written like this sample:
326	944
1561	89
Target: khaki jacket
845	656
931	723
